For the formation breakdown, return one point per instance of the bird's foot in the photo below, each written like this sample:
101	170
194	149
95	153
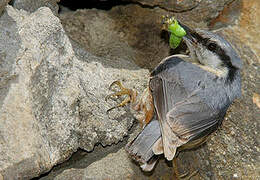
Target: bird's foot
187	175
144	106
131	95
184	176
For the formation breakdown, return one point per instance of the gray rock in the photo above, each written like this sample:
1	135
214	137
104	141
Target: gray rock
131	31
199	11
134	36
32	5
51	102
172	5
204	13
119	170
3	3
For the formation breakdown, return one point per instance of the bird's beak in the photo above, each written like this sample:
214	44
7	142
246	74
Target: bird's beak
192	40
189	38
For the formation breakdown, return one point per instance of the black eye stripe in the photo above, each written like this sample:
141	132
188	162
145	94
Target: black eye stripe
199	38
212	46
218	50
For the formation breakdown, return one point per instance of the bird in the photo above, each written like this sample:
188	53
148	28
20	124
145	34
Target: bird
186	99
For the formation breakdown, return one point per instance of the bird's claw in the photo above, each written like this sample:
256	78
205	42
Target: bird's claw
187	176
184	176
121	92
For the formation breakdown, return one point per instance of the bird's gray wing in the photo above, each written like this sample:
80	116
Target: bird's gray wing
192	118
183	116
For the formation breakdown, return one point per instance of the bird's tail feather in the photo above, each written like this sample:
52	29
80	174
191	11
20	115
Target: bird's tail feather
141	148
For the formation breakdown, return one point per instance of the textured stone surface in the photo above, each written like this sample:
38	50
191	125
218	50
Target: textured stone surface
130	31
33	5
248	25
171	5
51	102
197	11
110	170
229	16
3	3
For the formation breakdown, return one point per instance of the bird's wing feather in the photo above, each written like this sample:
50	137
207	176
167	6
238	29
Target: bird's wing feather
190	118
183	116
170	140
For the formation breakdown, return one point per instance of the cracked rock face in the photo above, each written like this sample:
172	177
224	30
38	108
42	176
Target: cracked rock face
33	5
196	13
53	101
118	33
171	5
3	3
131	31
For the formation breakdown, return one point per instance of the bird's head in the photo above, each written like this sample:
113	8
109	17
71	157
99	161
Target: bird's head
211	50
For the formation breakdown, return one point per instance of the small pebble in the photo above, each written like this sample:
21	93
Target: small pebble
235	175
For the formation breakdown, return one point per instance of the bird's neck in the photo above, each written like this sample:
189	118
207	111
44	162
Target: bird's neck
220	71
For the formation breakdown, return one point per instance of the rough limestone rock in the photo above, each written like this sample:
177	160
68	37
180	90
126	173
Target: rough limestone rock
33	5
51	102
119	33
171	5
3	3
131	31
197	11
111	170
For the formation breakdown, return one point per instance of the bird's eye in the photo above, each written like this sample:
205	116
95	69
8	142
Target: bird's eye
212	46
